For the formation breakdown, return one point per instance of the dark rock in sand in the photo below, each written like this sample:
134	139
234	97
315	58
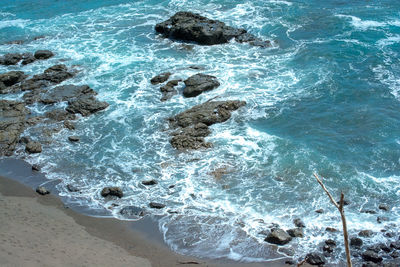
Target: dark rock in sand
150	182
366	233
169	90
299	223
356	242
10	59
86	105
10	78
69	125
384	207
112	191
155	205
43	54
59	115
33	147
315	258
278	237
42	190
28	58
73	138
370	255
296	232
72	188
12	124
381	219
199	83
132	211
35	167
66	92
192	27
160	78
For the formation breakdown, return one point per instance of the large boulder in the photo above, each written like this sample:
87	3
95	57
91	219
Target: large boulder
192	27
86	105
9	79
33	147
160	78
10	59
43	54
65	93
12	124
199	83
278	236
27	58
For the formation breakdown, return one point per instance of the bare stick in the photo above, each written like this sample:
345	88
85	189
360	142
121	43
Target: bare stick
341	210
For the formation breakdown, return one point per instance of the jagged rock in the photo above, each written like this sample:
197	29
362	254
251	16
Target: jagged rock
155	205
169	90
370	255
10	78
132	211
366	233
33	147
315	258
160	78
43	54
296	232
65	93
12	124
112	191
73	138
55	74
299	223
10	59
28	58
356	242
278	236
384	207
42	190
36	168
59	115
86	105
185	142
199	83
150	182
192	27
69	125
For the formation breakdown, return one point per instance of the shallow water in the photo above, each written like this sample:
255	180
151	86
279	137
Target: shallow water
325	100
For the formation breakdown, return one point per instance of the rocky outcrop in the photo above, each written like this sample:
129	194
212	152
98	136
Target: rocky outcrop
10	59
27	58
169	90
33	147
278	236
160	78
65	93
112	191
86	105
12	124
199	83
55	74
192	27
10	78
193	123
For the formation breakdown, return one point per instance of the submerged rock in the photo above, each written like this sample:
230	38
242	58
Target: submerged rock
112	191
192	27
278	237
199	83
366	233
35	167
356	242
72	188
299	223
28	58
42	190
169	90
132	211
383	207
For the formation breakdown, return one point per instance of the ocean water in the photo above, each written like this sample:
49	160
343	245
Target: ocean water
325	99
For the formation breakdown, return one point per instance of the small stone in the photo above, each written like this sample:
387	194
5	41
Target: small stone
315	259
395	245
160	78
290	262
35	167
43	54
171	186
384	207
327	249
374	248
72	188
381	219
150	182
299	223
330	242
370	255
319	211
33	147
112	191
296	232
155	205
365	233
278	237
385	248
331	229
42	190
369	211
356	242
73	138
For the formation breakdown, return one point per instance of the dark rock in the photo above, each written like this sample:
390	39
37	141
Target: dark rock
356	242
315	258
370	255
35	167
370	264
169	90
10	78
384	207
155	205
290	262
395	245
33	147
24	140
72	188
345	202
160	78
395	254
69	125
66	92
187	142
28	58
366	233
59	115
112	191
55	74
390	234
381	219
369	211
73	138
288	251
32	96
199	83
188	26
385	248
330	242
278	237
331	229
299	223
319	211
150	182
42	190
86	105
171	186
374	248
132	211
43	54
10	59
296	232
327	249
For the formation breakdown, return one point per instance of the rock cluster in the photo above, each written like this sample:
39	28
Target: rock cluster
25	58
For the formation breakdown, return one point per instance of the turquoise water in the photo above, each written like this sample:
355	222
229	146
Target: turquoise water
325	100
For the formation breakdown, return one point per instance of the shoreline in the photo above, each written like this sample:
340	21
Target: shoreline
140	243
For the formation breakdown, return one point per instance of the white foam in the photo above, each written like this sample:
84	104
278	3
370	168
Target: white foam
363	25
19	23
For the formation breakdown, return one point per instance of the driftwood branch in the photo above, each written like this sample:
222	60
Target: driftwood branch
340	207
